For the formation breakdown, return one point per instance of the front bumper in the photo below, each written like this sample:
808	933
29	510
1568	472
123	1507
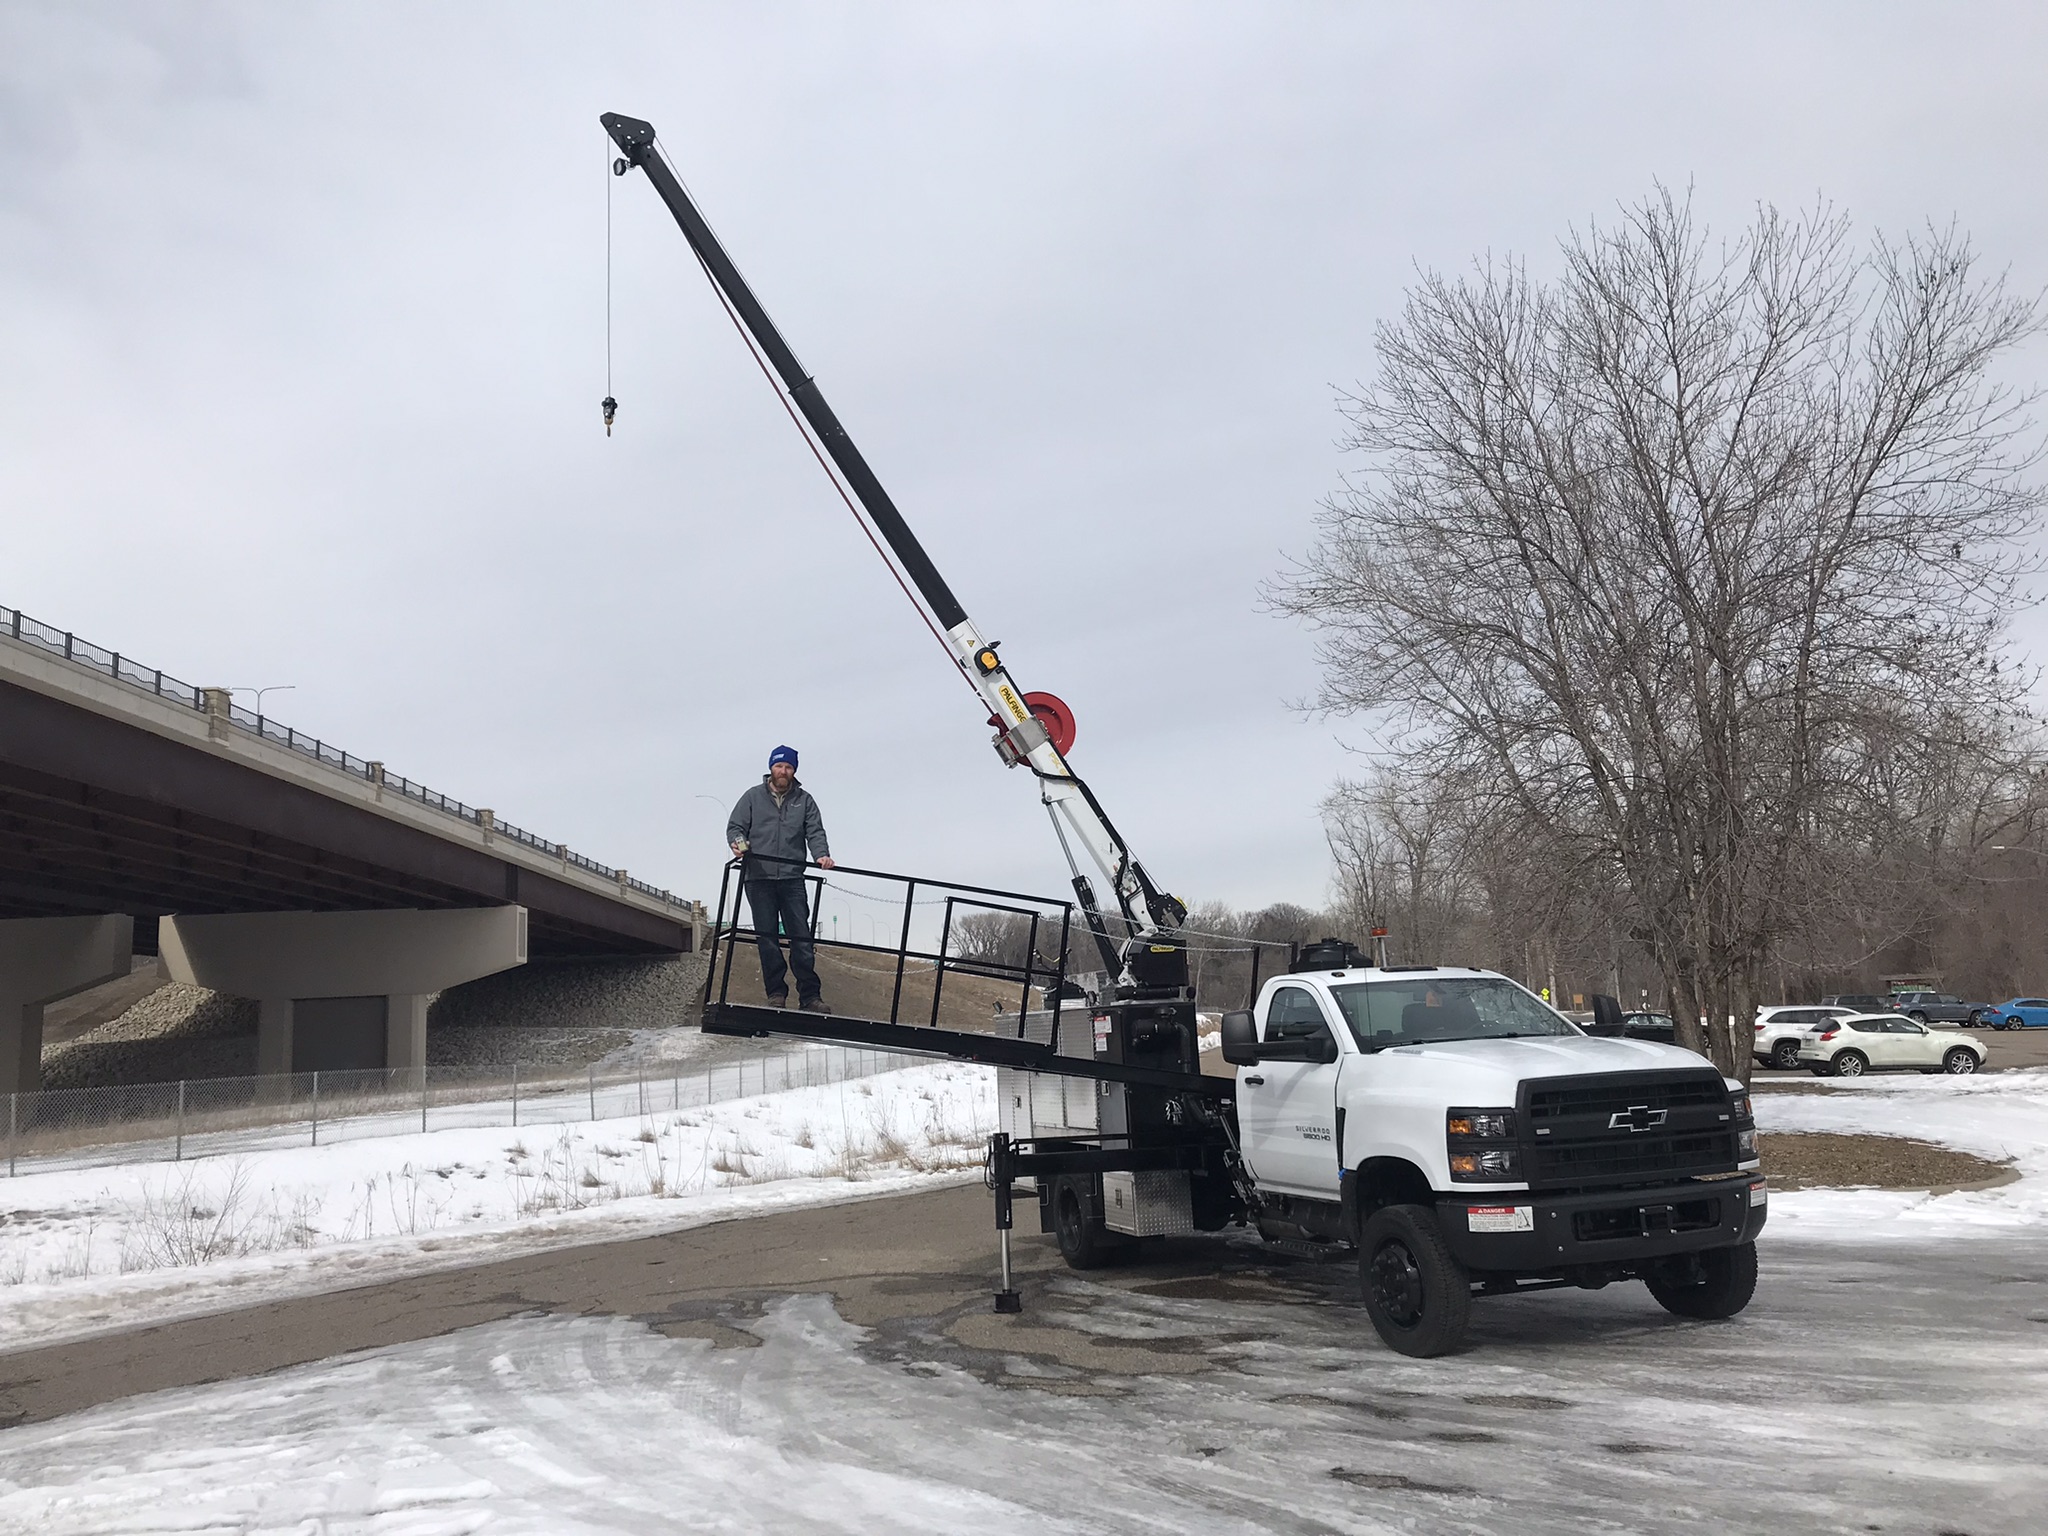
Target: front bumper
1535	1234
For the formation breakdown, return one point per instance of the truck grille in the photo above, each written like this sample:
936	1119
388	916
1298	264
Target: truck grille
1624	1128
1569	1098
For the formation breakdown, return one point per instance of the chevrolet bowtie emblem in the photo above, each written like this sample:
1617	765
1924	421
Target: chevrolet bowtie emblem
1637	1117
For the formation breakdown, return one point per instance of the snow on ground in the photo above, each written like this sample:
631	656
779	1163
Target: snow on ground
1847	1399
2000	1115
1889	1377
83	1250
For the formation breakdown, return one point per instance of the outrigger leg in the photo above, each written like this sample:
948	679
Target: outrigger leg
999	1176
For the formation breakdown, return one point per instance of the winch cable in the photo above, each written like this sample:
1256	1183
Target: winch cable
823	463
610	406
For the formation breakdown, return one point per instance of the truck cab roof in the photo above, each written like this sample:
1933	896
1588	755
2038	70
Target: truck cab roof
1462	1019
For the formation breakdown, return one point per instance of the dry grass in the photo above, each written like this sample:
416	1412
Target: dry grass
1830	1160
181	1224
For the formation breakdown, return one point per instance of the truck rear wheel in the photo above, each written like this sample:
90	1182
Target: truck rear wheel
1716	1283
1084	1242
1416	1292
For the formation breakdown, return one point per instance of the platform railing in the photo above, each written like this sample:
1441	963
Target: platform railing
926	916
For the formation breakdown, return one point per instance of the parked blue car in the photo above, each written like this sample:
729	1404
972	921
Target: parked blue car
2020	1013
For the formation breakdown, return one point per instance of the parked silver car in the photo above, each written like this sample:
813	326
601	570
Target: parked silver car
1878	1042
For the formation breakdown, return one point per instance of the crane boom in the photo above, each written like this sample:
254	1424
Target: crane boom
1022	738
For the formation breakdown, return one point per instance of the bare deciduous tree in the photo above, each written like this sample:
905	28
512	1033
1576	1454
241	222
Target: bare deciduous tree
1682	559
1400	861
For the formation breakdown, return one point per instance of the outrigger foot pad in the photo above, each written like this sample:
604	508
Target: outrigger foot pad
1009	1301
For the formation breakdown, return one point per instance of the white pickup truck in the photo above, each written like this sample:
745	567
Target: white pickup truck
1471	1141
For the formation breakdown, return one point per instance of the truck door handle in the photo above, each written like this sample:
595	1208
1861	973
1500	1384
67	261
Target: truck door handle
1255	1081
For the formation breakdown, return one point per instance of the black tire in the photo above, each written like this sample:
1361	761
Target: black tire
1849	1064
1960	1062
1417	1294
1717	1282
1976	1019
1917	1017
1785	1055
1084	1242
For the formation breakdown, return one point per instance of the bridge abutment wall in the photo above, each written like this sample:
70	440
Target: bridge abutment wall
393	961
43	959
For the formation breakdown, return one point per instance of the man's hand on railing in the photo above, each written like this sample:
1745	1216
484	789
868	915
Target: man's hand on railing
827	864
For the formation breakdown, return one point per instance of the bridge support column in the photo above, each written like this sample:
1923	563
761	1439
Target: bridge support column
274	1036
43	959
405	1031
343	960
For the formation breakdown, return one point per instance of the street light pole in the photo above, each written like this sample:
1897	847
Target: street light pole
267	688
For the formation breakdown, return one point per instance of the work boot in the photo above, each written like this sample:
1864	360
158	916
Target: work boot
814	1005
778	999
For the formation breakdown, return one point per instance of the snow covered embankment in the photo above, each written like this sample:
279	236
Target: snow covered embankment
2001	1115
107	1247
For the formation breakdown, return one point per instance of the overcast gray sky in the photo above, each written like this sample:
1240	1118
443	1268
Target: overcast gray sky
302	320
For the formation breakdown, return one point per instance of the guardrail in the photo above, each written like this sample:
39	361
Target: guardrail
155	681
75	1128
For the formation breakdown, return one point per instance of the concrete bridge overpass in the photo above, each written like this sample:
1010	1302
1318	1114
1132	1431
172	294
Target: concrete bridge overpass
128	794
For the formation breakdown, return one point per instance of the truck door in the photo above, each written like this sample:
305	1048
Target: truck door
1287	1110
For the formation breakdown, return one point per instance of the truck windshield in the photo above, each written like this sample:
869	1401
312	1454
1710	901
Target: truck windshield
1384	1013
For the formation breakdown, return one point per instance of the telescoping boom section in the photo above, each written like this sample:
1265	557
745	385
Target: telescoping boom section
1035	738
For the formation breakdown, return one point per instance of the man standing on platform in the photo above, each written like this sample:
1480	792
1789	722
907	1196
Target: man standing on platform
777	823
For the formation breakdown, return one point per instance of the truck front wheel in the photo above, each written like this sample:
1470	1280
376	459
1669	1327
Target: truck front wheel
1416	1292
1716	1283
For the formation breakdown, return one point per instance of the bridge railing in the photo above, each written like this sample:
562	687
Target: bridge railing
126	670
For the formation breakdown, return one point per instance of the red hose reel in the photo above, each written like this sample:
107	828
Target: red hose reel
1052	713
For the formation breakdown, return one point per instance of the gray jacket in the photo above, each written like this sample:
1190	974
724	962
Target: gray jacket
778	832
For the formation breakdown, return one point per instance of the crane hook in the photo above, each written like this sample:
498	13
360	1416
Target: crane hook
611	409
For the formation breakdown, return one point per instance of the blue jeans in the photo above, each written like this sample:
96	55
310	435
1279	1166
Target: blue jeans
780	904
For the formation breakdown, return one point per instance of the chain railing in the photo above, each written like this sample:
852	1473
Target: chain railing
74	1128
125	670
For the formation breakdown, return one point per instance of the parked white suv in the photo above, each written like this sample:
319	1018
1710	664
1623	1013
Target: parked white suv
1876	1042
1780	1029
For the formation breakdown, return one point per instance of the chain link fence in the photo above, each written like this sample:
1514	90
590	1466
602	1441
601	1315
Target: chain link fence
77	1128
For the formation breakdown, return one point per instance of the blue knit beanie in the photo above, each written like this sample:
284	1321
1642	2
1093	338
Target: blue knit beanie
782	755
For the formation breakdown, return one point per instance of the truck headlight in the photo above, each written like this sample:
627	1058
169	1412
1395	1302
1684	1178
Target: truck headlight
1473	1141
1492	1164
1480	1125
1739	1105
1745	1143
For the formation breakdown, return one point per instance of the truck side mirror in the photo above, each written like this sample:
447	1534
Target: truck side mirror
1319	1049
1240	1038
1606	1013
